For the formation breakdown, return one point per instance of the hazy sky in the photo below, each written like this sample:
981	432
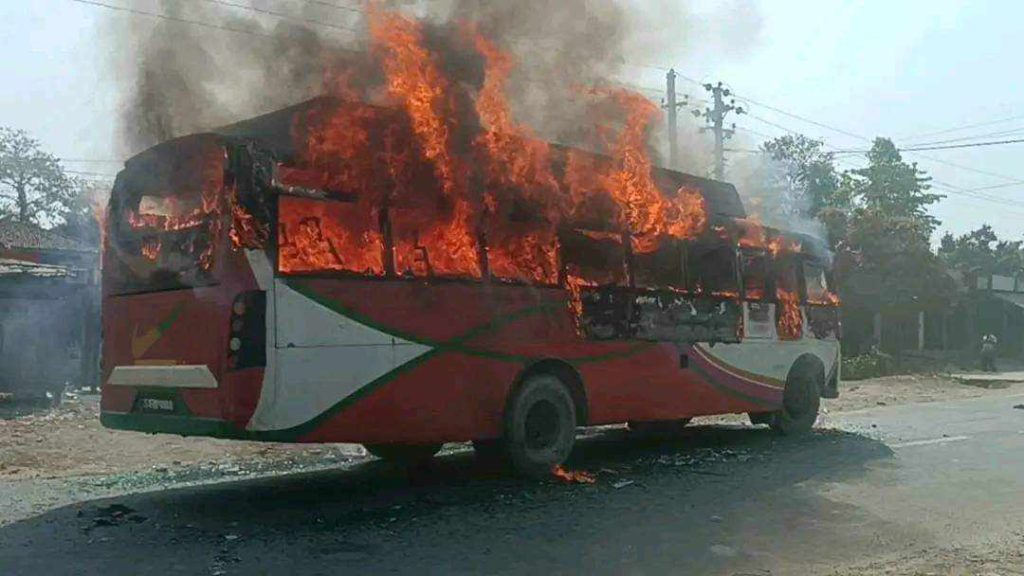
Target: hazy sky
904	69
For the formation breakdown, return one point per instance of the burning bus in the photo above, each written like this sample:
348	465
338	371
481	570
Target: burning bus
402	265
315	275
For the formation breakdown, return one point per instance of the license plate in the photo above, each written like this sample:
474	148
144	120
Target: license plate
158	405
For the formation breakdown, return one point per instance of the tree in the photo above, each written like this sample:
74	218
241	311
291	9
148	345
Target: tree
890	186
33	185
807	185
812	182
889	230
81	219
981	253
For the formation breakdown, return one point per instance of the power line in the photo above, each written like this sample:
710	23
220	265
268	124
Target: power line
90	161
971	145
866	139
280	15
1013	132
948	147
335	6
964	127
976	193
173	18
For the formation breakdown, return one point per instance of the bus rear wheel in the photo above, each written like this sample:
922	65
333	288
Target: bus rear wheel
404	454
540	426
800	404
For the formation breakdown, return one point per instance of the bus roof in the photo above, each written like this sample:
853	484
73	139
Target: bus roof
274	131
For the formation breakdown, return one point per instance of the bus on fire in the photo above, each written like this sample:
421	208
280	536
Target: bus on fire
266	282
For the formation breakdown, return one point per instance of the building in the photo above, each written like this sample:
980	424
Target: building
49	311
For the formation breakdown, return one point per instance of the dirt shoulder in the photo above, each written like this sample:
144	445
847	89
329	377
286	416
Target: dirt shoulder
69	441
997	559
911	389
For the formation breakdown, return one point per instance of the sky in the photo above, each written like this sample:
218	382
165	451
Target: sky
913	70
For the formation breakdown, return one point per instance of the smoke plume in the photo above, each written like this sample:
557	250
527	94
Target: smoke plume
247	59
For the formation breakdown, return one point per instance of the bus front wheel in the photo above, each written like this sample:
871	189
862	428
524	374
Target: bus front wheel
405	454
800	404
540	426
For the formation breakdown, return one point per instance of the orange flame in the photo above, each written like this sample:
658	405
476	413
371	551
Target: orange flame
519	171
151	249
791	322
415	80
328	236
573	476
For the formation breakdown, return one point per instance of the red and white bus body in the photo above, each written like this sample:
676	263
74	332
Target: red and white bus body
243	350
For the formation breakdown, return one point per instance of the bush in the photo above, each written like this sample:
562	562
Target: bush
867	366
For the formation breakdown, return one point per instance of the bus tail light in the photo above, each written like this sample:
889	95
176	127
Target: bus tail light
247	337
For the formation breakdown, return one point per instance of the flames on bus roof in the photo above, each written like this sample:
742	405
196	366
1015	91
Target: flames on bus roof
464	190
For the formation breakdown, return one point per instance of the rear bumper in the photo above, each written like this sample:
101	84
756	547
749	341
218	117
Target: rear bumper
172	424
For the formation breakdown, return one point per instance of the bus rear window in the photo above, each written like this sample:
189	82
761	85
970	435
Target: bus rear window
165	221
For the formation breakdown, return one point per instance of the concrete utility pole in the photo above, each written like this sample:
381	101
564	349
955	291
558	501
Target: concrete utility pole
672	105
716	122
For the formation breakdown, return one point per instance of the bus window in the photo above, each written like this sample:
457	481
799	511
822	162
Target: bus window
521	250
662	268
755	275
427	244
712	271
328	236
594	258
164	221
816	284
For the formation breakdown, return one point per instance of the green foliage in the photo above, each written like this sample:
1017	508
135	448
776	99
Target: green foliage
867	366
890	186
811	179
33	185
876	217
981	253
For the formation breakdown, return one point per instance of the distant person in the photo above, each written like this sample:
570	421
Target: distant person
988	352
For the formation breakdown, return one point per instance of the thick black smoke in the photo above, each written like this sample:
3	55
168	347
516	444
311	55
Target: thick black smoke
179	78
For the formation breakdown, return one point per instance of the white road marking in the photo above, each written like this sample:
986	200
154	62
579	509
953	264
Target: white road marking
930	442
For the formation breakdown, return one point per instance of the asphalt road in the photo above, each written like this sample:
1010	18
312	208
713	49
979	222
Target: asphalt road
719	500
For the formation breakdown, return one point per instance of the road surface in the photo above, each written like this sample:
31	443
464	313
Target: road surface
873	486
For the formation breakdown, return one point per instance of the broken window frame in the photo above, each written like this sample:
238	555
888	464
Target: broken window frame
767	287
730	255
275	239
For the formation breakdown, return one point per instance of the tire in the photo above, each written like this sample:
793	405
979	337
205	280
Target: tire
540	426
801	402
404	454
663	428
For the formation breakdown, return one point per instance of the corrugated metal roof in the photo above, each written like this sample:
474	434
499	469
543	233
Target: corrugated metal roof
14	234
1014	298
10	267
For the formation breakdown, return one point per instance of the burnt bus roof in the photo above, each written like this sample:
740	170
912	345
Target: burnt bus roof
273	131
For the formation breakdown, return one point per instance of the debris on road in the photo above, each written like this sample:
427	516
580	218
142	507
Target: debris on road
114	515
1019	407
623	484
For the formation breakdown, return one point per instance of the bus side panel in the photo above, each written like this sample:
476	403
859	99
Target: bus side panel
665	382
449	397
